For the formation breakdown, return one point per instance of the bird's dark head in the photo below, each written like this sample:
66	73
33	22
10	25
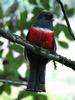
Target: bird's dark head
46	16
45	20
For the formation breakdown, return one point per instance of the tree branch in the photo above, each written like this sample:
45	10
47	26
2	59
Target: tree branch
66	19
38	50
13	82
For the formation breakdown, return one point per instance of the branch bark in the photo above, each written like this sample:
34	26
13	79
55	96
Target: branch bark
38	50
66	19
13	82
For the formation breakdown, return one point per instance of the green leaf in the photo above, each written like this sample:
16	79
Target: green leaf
33	2
63	44
1	89
35	96
1	16
10	25
61	27
6	88
23	94
45	3
37	10
33	20
66	32
10	69
69	11
56	9
1	12
1	51
17	48
41	97
1	73
23	17
57	30
22	23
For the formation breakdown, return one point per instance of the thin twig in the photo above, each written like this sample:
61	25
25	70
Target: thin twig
13	82
55	66
66	19
38	50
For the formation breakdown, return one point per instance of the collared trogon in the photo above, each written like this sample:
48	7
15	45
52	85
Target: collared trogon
41	34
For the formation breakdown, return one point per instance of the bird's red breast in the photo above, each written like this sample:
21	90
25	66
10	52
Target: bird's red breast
41	37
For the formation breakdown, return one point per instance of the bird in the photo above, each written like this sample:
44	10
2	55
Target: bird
40	33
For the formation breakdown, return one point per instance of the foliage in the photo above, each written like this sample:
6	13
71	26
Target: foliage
14	18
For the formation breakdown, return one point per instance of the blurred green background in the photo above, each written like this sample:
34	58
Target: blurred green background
16	16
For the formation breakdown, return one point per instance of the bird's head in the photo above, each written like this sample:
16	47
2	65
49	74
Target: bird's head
45	20
46	16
